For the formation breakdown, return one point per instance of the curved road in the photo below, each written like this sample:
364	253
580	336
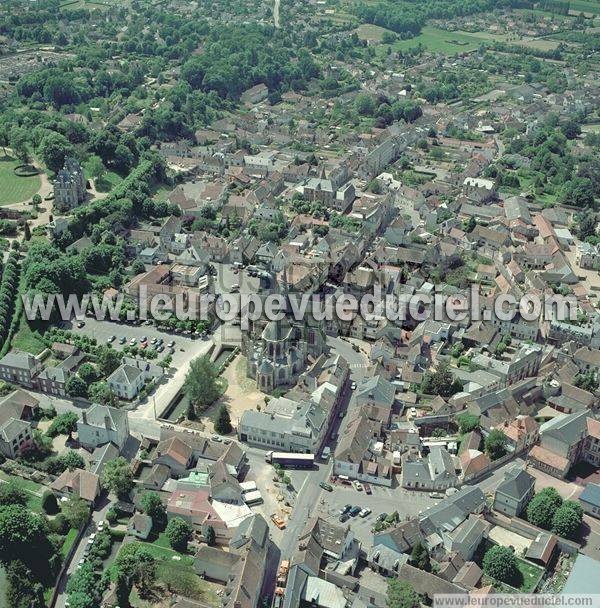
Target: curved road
276	13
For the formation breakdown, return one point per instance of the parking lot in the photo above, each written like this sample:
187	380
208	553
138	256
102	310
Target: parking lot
103	330
382	500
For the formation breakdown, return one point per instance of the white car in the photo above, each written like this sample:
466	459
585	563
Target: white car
100	526
357	485
353	386
366	511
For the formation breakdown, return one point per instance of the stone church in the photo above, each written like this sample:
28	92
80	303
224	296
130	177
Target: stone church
280	352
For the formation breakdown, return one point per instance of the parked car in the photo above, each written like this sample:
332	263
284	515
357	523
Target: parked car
382	517
366	511
436	495
133	341
367	488
354	511
278	521
343	517
143	339
345	509
110	339
353	386
216	438
122	340
326	486
171	344
80	324
357	485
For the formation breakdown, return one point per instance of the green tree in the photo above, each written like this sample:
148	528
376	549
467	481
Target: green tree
138	267
154	508
210	536
76	387
99	392
19	142
24	537
567	519
467	422
138	567
400	594
12	494
63	424
117	477
88	373
71	460
22	591
495	444
375	186
419	557
441	382
500	563
108	360
364	104
542	507
179	534
54	148
223	422
201	383
49	503
77	512
95	167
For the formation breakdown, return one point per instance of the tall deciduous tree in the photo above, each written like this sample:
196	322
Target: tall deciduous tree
201	383
117	477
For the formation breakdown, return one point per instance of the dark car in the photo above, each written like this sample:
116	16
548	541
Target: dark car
326	486
354	511
345	509
344	517
367	488
382	517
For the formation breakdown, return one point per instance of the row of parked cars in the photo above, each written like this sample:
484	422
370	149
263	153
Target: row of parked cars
89	543
352	511
157	344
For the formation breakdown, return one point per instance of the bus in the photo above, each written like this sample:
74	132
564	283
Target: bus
291	460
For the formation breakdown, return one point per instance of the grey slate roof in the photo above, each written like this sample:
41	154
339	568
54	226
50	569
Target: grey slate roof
517	482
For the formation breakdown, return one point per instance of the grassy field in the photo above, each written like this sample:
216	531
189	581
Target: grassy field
441	41
584	6
15	189
540	44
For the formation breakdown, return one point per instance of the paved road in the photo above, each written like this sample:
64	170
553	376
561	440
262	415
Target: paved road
99	514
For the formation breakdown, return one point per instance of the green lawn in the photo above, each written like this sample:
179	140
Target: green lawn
68	542
531	573
161	551
25	340
33	490
108	181
15	189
